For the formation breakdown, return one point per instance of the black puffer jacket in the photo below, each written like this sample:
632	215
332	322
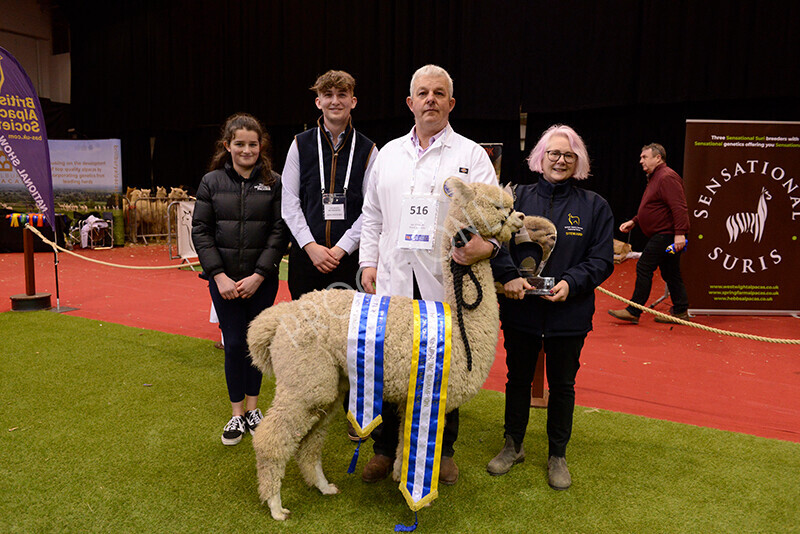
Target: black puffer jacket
237	226
583	256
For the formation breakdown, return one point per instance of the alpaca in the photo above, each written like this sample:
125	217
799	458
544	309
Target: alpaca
176	194
748	222
304	344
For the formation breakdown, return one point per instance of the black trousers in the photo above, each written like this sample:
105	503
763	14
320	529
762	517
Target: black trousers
655	256
386	435
234	317
562	364
304	278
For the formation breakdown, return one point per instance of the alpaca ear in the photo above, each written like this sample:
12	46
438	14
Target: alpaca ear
456	189
508	188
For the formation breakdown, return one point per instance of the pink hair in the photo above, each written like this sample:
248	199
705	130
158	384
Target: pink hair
575	142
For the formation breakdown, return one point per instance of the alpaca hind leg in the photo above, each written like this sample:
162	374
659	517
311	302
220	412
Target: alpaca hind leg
275	441
309	455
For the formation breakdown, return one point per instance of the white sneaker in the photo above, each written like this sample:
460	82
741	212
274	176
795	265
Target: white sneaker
252	419
234	430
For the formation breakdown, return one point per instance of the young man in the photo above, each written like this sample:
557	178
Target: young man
416	165
324	181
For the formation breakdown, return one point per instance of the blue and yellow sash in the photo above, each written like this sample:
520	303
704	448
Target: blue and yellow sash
365	361
425	407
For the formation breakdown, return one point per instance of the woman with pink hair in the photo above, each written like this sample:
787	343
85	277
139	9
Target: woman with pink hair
559	321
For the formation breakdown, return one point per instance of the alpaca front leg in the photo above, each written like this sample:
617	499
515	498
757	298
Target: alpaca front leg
278	512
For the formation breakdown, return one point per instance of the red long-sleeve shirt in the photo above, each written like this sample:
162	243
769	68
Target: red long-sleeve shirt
663	206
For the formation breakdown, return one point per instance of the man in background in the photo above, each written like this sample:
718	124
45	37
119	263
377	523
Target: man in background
664	220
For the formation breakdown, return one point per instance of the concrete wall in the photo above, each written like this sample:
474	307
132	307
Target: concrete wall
25	31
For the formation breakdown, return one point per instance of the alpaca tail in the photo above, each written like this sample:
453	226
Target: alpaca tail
259	338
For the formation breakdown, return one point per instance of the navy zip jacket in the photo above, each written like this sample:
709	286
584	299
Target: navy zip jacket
237	226
583	256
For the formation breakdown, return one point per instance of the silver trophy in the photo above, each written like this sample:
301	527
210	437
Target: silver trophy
542	232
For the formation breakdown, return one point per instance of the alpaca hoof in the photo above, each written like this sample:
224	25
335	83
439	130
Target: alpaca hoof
330	489
280	515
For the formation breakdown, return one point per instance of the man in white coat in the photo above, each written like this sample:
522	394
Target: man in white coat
405	198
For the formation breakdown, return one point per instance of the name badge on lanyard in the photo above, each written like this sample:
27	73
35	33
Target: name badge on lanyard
418	222
418	212
334	205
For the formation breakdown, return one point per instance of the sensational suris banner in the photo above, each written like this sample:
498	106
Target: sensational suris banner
742	182
23	139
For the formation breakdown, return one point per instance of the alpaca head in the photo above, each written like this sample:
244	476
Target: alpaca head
177	193
486	208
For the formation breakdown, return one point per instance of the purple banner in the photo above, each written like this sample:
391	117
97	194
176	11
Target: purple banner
23	138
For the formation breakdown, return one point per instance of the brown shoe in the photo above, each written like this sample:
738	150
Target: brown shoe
508	456
624	315
557	473
352	434
378	468
219	345
448	471
685	316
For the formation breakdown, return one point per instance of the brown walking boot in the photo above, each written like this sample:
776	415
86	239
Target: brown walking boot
624	315
506	458
448	471
378	468
557	473
685	316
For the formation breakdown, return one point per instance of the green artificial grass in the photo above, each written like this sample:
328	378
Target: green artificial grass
106	428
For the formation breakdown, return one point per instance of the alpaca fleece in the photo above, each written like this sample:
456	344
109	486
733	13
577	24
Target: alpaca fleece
304	344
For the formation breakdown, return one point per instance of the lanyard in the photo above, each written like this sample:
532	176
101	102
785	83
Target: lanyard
435	171
322	164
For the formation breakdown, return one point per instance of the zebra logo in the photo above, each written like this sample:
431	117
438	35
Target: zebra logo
749	222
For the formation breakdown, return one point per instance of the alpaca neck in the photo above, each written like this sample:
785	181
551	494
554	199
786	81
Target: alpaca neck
481	326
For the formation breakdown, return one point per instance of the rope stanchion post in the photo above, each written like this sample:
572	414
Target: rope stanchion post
26	305
31	300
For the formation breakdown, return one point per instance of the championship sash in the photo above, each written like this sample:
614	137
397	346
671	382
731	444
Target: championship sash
365	361
425	407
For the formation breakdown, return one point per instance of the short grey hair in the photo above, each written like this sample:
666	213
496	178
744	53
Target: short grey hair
432	70
656	149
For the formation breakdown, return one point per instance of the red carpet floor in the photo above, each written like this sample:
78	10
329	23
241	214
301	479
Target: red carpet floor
667	372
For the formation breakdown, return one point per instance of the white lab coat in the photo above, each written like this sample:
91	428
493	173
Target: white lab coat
397	165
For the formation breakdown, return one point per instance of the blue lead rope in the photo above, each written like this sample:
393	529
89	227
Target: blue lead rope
354	461
404	528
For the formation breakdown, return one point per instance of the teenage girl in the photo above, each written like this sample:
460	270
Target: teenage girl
240	238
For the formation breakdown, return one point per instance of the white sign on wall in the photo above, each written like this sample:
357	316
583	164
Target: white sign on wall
86	165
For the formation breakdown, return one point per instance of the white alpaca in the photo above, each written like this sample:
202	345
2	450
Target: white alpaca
304	343
748	222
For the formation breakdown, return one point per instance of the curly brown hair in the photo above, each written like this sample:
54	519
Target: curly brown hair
243	121
334	79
